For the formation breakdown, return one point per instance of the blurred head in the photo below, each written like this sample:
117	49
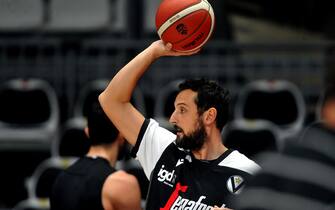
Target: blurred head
328	107
199	103
100	128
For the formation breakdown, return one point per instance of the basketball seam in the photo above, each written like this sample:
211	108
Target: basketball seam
167	23
211	14
174	14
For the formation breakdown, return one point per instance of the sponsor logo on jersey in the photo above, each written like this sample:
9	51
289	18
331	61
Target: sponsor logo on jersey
184	203
166	177
176	202
179	162
188	157
235	184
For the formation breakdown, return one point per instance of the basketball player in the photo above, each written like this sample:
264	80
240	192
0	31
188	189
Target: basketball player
92	182
189	170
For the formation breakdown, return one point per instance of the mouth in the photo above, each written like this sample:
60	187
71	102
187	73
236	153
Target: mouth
179	134
177	130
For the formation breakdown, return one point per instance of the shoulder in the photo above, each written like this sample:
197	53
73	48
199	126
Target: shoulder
120	178
122	191
152	133
239	161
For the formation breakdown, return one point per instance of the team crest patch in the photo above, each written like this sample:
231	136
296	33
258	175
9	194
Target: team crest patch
235	184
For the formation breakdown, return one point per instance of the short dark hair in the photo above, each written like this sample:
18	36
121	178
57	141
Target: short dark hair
209	94
101	129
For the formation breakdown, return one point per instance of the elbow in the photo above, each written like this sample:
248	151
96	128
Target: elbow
107	102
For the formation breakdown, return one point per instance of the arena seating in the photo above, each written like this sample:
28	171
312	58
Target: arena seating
251	137
278	101
21	16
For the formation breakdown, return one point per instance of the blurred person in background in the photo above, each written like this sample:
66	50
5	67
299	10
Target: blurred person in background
92	182
302	177
327	112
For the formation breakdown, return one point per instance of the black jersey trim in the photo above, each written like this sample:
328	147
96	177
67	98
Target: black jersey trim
139	138
223	156
215	161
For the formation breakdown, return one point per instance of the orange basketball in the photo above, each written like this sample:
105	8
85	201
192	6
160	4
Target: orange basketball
186	24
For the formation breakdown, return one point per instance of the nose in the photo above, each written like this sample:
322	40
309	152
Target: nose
172	119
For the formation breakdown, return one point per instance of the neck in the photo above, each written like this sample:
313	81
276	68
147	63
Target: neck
108	152
212	148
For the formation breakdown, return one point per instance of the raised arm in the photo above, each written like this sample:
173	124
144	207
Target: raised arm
115	99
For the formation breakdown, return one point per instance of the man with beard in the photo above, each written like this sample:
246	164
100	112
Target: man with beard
190	170
92	181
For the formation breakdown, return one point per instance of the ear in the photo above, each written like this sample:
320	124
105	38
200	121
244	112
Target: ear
210	116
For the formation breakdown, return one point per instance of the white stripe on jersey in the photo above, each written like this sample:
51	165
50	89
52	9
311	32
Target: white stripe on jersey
154	142
241	162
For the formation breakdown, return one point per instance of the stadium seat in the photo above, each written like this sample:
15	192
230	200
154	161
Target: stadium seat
118	24
91	91
278	101
149	16
33	204
39	185
21	15
29	114
78	15
251	137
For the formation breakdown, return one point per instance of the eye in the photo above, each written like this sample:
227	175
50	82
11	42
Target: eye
182	110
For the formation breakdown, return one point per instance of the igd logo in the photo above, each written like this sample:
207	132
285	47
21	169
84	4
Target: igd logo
164	175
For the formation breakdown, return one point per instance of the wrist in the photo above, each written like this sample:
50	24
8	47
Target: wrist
152	52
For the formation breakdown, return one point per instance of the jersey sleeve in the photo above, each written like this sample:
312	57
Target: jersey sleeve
241	162
151	143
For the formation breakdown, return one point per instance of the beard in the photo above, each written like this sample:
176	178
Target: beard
193	141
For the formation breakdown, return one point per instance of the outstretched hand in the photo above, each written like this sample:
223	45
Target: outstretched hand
165	49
